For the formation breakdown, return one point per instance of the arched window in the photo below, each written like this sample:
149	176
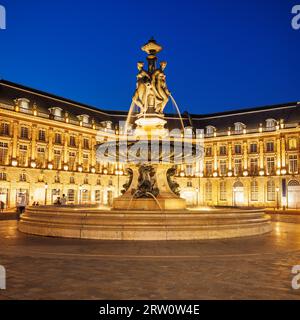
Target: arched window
208	191
271	190
223	196
254	190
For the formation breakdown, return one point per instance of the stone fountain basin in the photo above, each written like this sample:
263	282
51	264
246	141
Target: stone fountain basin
105	224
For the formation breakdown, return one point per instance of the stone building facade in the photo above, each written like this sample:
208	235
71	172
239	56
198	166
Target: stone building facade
48	148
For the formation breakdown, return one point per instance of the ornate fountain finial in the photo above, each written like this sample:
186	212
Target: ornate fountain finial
151	94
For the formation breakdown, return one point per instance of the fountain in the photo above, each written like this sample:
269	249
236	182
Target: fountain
150	207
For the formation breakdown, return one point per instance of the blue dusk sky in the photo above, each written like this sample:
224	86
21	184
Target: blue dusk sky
221	55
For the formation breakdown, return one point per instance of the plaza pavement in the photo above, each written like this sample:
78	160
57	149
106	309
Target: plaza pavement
245	268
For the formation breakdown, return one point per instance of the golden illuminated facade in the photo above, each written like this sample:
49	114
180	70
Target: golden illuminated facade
48	148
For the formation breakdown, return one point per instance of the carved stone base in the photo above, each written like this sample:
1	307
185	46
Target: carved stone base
162	202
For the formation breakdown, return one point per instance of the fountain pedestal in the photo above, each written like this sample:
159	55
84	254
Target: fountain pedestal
165	200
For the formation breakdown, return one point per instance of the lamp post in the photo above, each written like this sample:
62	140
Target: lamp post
277	198
46	189
80	191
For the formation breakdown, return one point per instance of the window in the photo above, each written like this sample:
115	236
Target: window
72	157
98	196
237	167
208	168
223	191
71	196
23	177
57	159
223	150
24	133
270	124
72	180
238	127
293	164
223	167
253	166
86	180
238	149
254	190
270	146
23	155
208	191
189	183
3	152
210	131
85	143
270	165
271	190
99	181
42	135
189	169
85	162
208	151
3	176
57	178
40	159
57	138
72	141
85	196
253	147
4	130
292	144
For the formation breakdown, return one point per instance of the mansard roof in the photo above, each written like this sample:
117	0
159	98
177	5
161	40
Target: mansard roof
250	117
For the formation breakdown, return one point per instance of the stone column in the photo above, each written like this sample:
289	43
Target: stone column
15	139
80	149
245	155
66	153
50	144
33	142
283	159
261	154
93	152
229	156
215	151
278	153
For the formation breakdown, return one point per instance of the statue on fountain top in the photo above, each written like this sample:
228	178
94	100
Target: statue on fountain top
151	94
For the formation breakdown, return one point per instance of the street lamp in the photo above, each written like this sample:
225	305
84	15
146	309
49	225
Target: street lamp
46	189
80	195
277	198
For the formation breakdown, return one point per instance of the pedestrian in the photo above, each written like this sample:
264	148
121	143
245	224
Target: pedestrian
63	200
2	204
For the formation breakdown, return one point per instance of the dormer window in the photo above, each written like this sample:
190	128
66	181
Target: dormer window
239	127
55	111
107	124
271	124
210	130
188	131
23	103
84	118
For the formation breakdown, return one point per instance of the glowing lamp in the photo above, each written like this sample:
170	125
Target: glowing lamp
105	171
215	174
261	172
278	172
93	170
182	174
66	167
245	173
283	171
50	166
80	168
33	164
14	162
229	173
